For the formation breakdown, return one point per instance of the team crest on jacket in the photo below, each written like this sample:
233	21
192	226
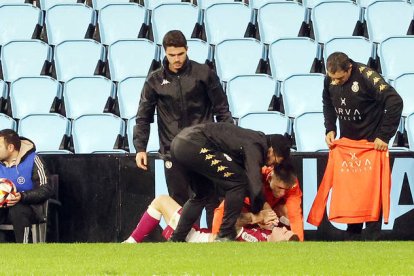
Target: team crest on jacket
227	157
21	180
355	87
168	164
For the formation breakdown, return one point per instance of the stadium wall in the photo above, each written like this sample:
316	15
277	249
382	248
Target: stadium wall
103	196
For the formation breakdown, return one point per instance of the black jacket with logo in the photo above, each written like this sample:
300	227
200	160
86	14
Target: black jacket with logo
245	146
190	96
367	107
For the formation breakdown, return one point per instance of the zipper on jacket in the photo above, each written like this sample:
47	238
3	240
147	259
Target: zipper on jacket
184	118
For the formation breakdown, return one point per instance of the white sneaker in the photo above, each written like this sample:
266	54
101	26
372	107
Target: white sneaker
130	240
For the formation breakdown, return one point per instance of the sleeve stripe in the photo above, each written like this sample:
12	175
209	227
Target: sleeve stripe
41	170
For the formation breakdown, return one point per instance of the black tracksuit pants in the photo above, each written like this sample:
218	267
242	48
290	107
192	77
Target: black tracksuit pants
20	216
203	161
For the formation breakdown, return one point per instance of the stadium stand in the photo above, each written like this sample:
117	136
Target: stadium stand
164	19
293	56
302	93
31	95
309	132
396	56
269	122
130	58
310	4
60	23
280	20
121	21
47	4
17	22
153	142
388	18
88	95
250	93
50	132
98	133
231	59
358	48
4	90
74	58
226	21
7	122
128	95
25	58
333	19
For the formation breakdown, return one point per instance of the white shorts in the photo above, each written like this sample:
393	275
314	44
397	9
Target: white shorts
196	234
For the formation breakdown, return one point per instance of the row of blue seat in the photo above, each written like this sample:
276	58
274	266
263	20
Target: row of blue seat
128	58
105	133
221	21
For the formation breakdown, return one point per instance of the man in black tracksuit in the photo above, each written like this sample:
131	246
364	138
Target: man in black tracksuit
367	107
231	158
184	93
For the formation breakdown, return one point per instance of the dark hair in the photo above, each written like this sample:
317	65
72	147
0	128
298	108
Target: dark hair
11	137
286	173
280	144
338	61
174	38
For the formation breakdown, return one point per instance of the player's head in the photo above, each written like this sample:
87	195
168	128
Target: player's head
279	148
283	178
175	46
9	142
339	68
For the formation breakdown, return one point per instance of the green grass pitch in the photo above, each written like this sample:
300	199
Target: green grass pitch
232	258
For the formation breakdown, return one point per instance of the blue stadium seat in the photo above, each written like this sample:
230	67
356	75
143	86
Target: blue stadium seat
130	58
19	22
358	48
257	4
280	20
129	92
7	122
204	4
32	95
365	3
60	23
99	4
198	50
310	4
269	122
250	93
226	21
120	21
47	4
231	58
404	84
309	132
164	19
302	93
49	132
24	58
345	14
388	18
4	90
396	56
97	133
87	95
292	56
153	142
12	2
151	4
74	58
409	126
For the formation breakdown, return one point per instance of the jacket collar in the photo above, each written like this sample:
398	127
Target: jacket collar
182	70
